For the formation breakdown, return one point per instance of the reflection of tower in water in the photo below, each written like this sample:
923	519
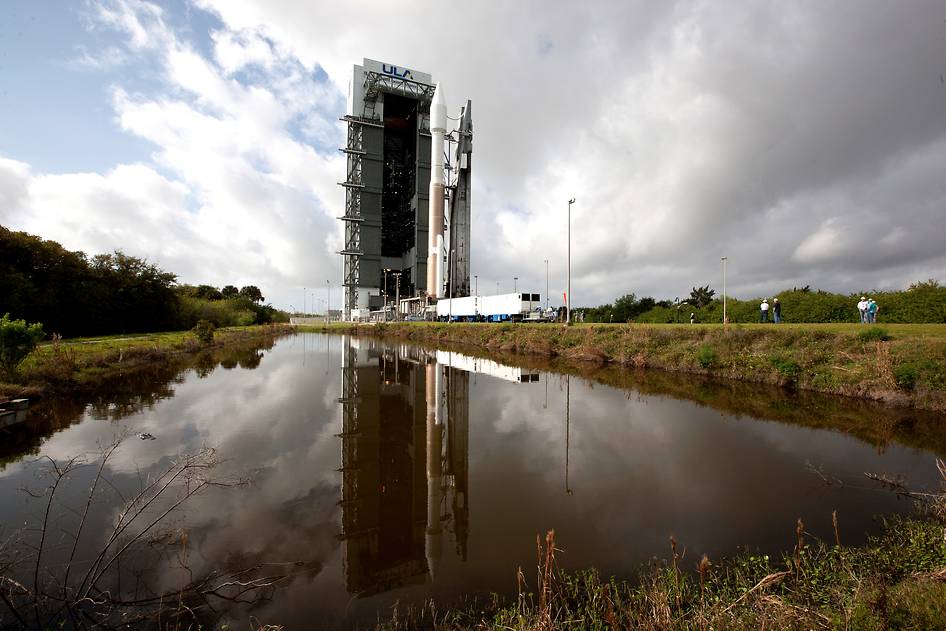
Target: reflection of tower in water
404	453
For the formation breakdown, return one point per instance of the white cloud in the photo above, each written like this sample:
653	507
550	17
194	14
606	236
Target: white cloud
780	136
824	244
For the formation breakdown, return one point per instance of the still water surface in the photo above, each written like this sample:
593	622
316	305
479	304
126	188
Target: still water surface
393	473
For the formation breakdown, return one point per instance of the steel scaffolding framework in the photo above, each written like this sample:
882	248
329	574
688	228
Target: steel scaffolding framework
376	84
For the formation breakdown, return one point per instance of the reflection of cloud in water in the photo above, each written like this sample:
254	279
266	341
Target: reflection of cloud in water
642	467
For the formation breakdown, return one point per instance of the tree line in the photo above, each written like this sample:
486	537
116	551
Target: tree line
922	302
74	294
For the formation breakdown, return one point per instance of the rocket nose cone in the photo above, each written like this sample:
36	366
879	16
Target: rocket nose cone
438	96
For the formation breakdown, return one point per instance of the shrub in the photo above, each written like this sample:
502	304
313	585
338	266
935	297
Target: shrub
17	340
707	357
204	331
874	334
785	366
905	375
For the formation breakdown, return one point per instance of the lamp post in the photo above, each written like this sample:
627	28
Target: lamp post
387	270
568	283
723	259
546	284
397	295
476	285
303	303
328	301
515	285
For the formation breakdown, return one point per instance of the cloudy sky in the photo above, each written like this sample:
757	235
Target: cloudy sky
806	141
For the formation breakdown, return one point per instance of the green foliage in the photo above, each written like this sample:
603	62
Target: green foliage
40	281
707	357
72	294
207	292
785	366
627	308
874	334
222	313
702	296
923	302
252	292
204	331
17	340
906	375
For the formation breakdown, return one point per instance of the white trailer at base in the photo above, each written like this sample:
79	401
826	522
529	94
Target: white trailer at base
498	308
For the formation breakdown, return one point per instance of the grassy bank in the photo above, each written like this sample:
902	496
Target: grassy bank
900	364
77	364
896	581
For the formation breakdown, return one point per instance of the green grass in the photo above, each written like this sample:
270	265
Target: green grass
895	581
76	363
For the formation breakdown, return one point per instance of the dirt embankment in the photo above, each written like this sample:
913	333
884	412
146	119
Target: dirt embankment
893	365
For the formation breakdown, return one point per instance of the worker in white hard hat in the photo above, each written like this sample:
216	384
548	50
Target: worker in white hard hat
862	308
764	310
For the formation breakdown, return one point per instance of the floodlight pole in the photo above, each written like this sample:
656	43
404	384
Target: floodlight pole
568	284
397	295
723	259
546	284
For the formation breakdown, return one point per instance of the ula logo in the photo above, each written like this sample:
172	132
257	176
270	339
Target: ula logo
394	71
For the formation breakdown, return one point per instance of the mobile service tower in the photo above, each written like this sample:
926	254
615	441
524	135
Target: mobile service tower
407	192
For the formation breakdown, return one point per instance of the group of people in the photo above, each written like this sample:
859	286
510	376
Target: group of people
775	308
868	310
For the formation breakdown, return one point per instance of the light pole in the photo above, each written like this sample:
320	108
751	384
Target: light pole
476	285
568	283
328	301
386	270
515	285
303	303
546	284
397	295
723	259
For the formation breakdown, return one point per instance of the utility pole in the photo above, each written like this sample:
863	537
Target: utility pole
303	303
515	286
328	301
546	284
568	283
723	259
476	285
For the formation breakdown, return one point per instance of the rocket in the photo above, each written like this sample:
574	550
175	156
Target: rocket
435	247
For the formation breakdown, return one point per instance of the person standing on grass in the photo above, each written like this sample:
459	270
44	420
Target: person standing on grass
872	311
764	310
776	311
862	308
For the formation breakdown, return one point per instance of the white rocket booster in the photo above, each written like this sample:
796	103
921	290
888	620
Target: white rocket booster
435	248
433	539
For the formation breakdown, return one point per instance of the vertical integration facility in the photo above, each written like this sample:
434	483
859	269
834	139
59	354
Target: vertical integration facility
388	187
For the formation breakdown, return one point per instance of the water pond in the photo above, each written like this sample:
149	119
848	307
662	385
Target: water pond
337	476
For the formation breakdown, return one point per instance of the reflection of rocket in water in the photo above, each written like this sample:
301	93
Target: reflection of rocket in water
448	403
458	450
433	542
399	499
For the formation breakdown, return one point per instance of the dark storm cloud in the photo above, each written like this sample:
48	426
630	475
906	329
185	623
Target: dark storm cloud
805	141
